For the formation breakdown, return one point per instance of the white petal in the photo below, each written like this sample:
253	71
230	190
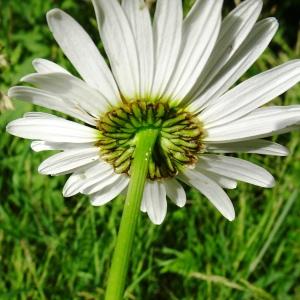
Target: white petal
48	100
96	184
41	115
222	181
155	202
119	44
236	168
167	30
251	94
262	122
175	192
253	146
287	129
77	177
39	146
45	66
100	167
200	31
52	129
77	183
245	56
74	180
70	89
110	192
143	207
82	52
139	18
234	29
69	160
211	190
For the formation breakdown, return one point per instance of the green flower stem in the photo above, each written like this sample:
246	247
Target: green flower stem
145	140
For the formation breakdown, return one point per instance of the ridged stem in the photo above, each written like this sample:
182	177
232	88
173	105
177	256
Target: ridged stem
145	140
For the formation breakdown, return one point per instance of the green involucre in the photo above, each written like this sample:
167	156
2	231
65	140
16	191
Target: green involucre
178	144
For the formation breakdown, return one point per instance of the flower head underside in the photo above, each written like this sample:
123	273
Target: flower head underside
178	144
194	61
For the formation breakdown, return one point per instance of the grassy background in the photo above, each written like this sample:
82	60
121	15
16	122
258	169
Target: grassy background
56	248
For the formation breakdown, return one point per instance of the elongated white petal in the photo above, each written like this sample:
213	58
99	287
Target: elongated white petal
78	183
143	207
251	94
240	62
110	192
211	190
67	161
253	146
200	31
82	52
167	30
48	100
97	169
236	168
39	146
76	179
79	180
45	66
262	122
41	115
294	127
71	89
98	184
154	201
52	129
119	44
234	29
139	18
222	181
175	192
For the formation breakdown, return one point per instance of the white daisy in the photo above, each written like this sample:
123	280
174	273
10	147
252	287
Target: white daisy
172	74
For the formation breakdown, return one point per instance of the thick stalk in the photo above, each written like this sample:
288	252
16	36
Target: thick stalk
145	140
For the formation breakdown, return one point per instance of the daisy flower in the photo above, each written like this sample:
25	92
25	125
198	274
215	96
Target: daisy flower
169	73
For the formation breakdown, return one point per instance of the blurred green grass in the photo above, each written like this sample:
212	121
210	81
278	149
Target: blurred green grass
56	248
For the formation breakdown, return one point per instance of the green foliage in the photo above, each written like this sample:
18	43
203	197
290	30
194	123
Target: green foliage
56	248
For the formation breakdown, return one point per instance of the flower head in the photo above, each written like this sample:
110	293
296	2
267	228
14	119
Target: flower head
172	74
